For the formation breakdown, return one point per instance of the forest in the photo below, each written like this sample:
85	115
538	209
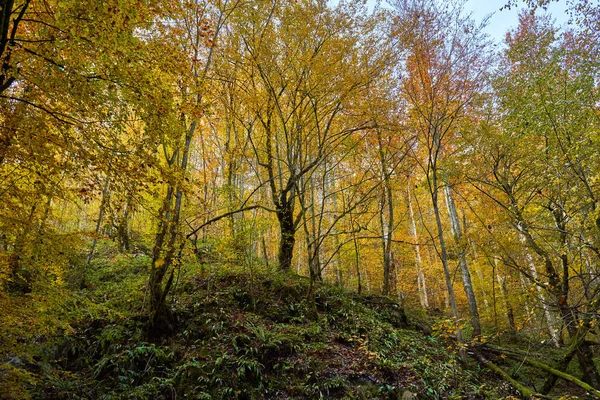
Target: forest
298	199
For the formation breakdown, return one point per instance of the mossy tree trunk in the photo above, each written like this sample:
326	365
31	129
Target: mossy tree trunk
165	254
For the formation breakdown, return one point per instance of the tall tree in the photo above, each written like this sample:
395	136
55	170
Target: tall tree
461	246
446	61
548	97
421	282
301	78
190	34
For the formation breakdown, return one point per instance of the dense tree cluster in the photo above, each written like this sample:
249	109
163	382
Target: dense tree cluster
393	150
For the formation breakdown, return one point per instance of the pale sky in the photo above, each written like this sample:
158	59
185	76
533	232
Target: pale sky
503	20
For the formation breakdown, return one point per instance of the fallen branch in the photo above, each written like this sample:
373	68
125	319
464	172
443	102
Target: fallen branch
563	363
525	391
563	375
556	372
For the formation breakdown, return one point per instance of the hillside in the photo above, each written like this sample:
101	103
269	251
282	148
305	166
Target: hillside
242	335
246	336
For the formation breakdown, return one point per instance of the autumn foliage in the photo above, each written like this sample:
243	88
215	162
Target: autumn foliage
390	151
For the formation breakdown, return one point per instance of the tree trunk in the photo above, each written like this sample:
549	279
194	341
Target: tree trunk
386	218
356	259
159	318
510	316
164	256
337	265
7	39
551	322
123	227
313	240
462	260
287	232
444	254
421	284
101	211
264	250
386	236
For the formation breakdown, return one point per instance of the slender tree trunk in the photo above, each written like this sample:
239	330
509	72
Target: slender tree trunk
386	218
123	227
356	259
313	236
337	267
510	316
444	259
101	211
385	244
421	284
298	260
265	254
443	253
462	260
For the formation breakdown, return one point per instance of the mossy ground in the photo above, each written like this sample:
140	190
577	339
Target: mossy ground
242	335
247	336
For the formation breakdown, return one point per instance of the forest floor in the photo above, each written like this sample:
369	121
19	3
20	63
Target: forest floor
241	335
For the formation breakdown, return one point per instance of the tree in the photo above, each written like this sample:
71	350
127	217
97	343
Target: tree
190	33
547	97
421	282
298	96
446	62
462	258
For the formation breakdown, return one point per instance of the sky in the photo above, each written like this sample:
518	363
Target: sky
502	21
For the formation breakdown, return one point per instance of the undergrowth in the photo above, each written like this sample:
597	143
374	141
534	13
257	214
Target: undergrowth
241	335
